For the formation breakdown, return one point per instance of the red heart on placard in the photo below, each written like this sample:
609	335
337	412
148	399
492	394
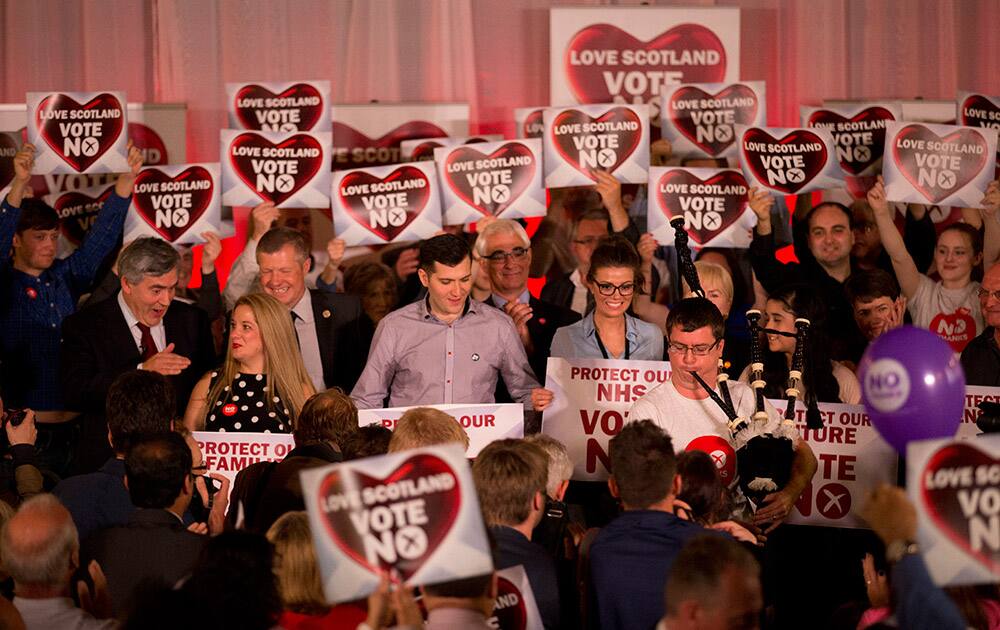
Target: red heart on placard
628	139
946	181
533	126
946	472
92	145
717	140
364	151
520	176
957	328
8	149
308	165
149	143
441	507
77	212
398	219
425	150
980	111
814	160
250	115
174	222
855	158
684	44
703	226
509	608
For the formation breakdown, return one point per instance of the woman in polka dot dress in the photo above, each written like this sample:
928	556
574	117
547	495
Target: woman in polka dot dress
263	383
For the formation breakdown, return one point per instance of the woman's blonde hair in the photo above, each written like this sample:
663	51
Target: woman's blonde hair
295	564
716	275
283	367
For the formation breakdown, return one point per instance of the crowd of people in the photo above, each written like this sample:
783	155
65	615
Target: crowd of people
109	363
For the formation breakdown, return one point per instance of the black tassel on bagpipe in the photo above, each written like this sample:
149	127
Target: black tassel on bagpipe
684	261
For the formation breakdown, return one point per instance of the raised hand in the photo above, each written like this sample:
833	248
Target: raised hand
210	252
263	218
126	181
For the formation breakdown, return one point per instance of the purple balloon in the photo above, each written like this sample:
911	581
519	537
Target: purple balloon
912	386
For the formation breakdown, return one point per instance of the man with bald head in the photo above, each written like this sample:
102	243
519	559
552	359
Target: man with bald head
41	552
981	358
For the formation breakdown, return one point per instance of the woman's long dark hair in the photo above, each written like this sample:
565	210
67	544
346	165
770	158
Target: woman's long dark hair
817	373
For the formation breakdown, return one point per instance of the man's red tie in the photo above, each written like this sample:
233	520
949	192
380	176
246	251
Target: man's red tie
148	348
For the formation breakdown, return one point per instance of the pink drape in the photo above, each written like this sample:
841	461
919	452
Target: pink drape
492	54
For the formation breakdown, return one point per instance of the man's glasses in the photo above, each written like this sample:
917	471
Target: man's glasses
607	289
986	293
698	350
518	253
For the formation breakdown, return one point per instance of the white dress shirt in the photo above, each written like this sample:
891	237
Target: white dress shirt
158	332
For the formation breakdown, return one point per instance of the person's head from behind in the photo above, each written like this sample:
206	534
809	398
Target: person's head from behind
283	258
560	465
614	276
695	328
830	235
874	297
295	565
139	403
367	441
477	593
148	271
158	472
989	297
375	284
510	477
39	548
233	583
504	252
643	466
589	228
702	487
328	417
262	341
446	270
713	584
958	252
717	284
36	237
425	426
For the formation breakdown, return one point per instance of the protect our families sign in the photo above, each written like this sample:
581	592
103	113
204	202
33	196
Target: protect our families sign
414	513
78	132
943	165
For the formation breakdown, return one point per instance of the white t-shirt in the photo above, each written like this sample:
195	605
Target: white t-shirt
700	424
952	314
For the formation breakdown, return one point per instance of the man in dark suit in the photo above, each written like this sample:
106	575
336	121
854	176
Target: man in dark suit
143	328
504	251
326	324
153	548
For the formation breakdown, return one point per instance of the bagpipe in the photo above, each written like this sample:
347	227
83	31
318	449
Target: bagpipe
764	454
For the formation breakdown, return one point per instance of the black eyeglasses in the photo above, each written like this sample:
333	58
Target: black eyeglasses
698	350
986	293
608	289
518	253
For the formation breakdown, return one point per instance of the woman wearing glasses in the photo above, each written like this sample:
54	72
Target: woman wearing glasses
609	332
949	307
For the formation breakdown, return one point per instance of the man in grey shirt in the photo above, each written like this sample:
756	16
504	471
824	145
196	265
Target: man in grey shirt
446	348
